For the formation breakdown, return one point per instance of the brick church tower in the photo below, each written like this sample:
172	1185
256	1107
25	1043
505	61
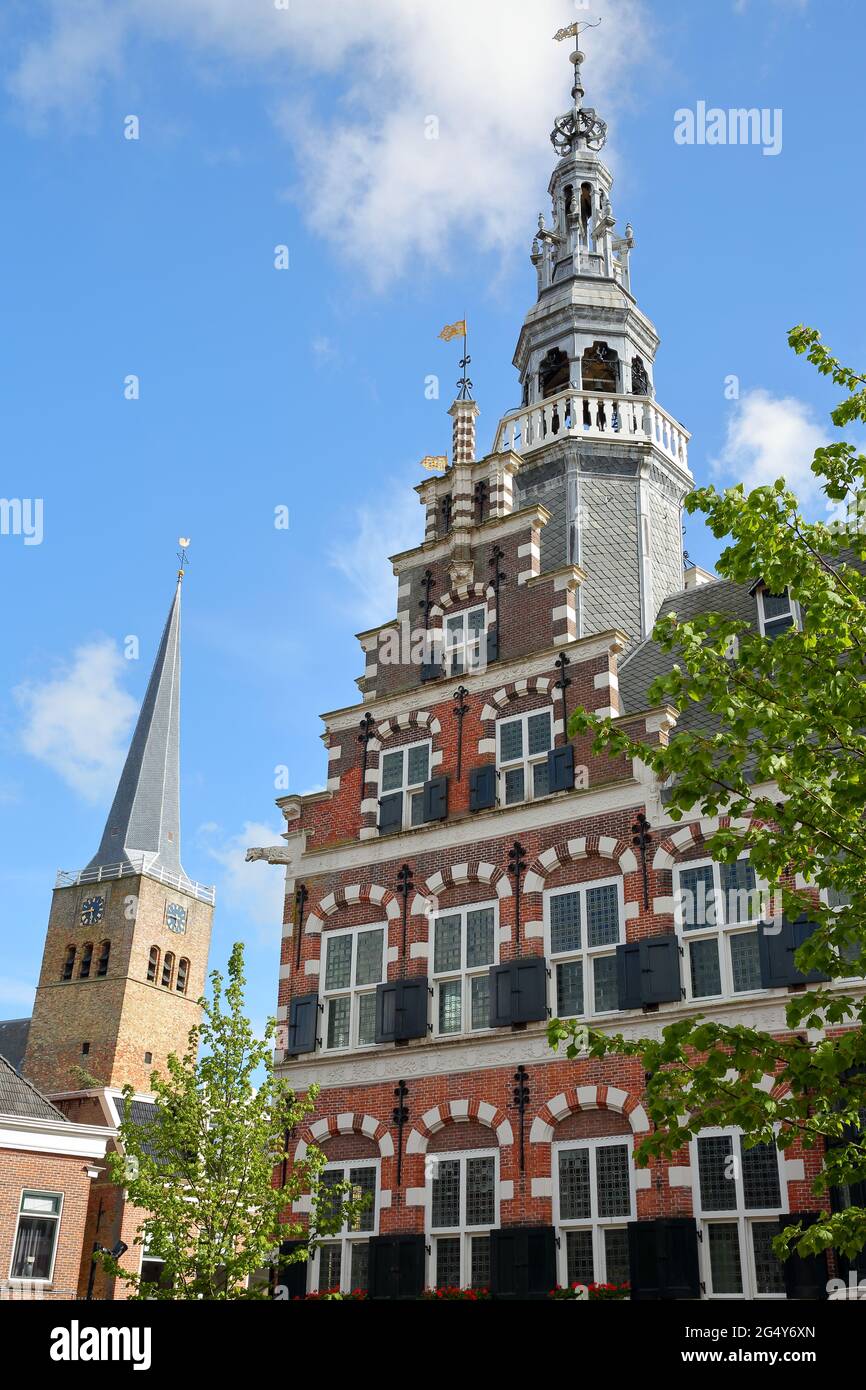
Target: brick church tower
128	936
471	871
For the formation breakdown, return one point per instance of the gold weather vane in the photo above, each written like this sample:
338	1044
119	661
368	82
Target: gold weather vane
184	544
574	31
435	462
460	330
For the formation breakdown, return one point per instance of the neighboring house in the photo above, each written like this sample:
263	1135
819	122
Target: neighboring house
471	871
48	1166
123	968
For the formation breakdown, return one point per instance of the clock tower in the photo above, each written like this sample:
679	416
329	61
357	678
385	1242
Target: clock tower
126	951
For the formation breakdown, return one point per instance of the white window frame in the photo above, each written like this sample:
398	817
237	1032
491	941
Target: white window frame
346	1237
527	762
409	790
721	932
598	1225
36	1192
774	623
466	973
352	991
469	661
587	954
462	1231
742	1216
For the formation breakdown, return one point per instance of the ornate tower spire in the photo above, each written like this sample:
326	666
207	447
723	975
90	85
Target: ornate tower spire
143	826
581	127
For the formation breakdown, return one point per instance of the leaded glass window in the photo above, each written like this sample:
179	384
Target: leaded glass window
463	1210
584	928
592	1208
738	1182
523	744
464	948
354	965
342	1261
406	770
718	908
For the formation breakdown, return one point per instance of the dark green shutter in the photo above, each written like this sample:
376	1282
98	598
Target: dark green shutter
776	951
292	1277
402	1009
518	992
660	969
391	814
303	1024
663	1259
560	769
482	787
628	977
396	1267
435	800
492	639
805	1275
431	670
522	1261
386	1011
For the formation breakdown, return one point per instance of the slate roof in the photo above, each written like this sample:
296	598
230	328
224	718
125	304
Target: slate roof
145	815
14	1033
20	1097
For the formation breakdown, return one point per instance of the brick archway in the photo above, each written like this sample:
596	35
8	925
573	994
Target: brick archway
322	1130
355	893
454	874
579	1098
457	1112
604	846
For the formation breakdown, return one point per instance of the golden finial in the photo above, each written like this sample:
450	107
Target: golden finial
184	543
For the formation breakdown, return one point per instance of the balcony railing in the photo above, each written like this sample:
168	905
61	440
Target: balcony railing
137	864
594	415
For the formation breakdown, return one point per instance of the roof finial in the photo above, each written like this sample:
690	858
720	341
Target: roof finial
577	126
184	544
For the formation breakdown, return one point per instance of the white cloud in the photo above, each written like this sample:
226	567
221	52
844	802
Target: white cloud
370	180
78	720
16	993
371	593
772	437
255	891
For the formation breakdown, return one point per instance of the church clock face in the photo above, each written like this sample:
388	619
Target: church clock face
92	911
175	917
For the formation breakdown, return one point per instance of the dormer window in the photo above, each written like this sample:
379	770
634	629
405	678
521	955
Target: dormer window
776	612
464	641
445	515
554	373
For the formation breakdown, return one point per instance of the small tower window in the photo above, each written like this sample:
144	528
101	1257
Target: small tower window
585	208
86	958
639	378
569	198
152	965
85	1049
69	963
445	510
167	969
600	368
148	1058
182	973
481	500
104	953
554	373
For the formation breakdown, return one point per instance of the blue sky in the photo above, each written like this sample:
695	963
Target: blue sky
303	125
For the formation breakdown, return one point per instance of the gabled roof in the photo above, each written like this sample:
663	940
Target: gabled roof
18	1096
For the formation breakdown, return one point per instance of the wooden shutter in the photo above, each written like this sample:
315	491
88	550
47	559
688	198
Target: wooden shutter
560	768
805	1275
803	929
435	802
663	1258
401	1009
518	992
391	814
431	670
396	1267
776	951
628	979
492	640
386	1011
660	969
522	1261
482	787
303	1024
292	1277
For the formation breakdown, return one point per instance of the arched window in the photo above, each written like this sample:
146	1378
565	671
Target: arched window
462	1210
600	368
554	373
167	969
182	972
86	958
585	208
69	963
639	379
152	965
104	953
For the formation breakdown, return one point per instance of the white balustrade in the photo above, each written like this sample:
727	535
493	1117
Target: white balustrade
593	415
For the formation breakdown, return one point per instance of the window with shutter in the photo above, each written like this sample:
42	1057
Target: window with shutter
648	972
104	954
465	646
718	910
401	1010
777	613
292	1277
523	744
560	769
396	1266
663	1259
583	927
434	805
465	945
354	966
778	944
463	1208
522	1261
738	1203
593	1202
402	775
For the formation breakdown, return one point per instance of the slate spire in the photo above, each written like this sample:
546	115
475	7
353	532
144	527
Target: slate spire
143	826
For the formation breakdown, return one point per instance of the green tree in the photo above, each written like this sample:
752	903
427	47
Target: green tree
787	753
208	1168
